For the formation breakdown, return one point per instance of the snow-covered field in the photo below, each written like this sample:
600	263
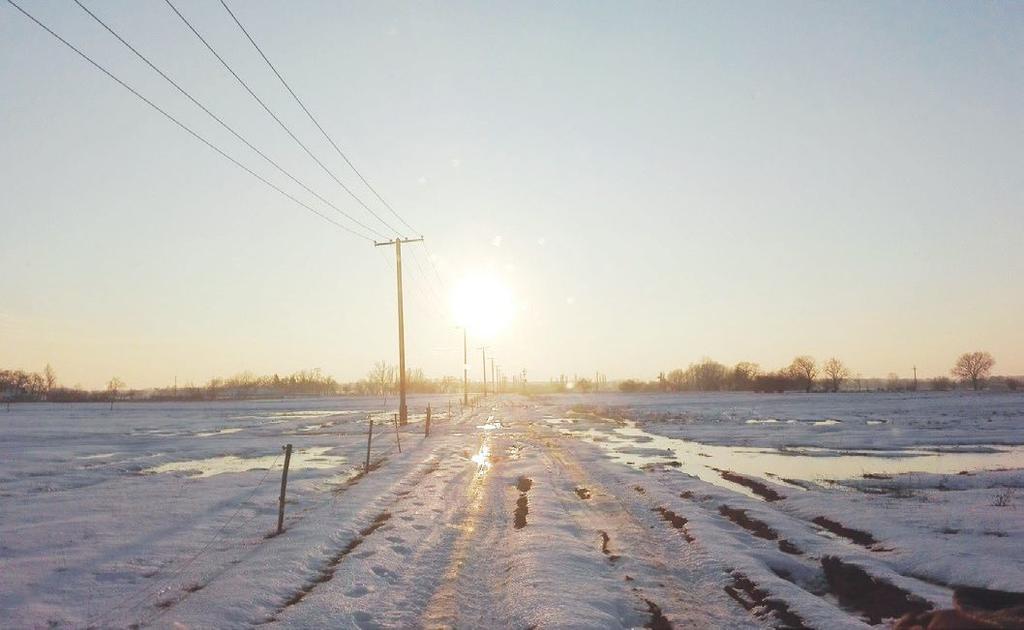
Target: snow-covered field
607	510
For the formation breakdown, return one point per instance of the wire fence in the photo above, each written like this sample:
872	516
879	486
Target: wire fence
382	446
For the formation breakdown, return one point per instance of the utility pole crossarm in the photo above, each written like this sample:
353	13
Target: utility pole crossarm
397	240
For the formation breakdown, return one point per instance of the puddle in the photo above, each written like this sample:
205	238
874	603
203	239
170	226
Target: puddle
219	432
490	425
97	456
762	604
482	459
630	445
313	457
316	427
874	598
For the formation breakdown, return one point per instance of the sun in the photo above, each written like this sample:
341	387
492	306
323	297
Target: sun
483	304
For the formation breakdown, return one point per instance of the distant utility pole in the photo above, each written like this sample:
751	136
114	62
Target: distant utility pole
915	378
403	410
494	383
465	370
483	352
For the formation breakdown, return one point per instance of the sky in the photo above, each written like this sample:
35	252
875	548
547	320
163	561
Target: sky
634	185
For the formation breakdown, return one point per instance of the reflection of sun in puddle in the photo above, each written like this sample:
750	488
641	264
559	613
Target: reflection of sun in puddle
482	459
313	457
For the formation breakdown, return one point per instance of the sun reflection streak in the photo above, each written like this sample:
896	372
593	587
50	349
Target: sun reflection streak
482	459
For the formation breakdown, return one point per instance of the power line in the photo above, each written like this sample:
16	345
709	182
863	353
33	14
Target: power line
275	117
220	121
438	303
323	131
182	125
313	118
430	259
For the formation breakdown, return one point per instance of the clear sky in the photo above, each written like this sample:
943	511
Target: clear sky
645	183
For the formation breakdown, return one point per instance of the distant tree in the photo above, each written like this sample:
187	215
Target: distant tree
630	386
676	380
114	386
941	384
974	367
892	382
774	382
1012	384
50	376
743	375
706	376
583	385
804	370
836	373
383	377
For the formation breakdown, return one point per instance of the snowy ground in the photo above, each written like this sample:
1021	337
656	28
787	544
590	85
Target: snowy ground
569	511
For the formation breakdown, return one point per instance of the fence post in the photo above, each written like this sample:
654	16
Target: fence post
426	430
284	486
397	439
369	440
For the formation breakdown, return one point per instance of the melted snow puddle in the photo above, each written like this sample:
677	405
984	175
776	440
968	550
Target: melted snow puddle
97	456
313	457
637	448
218	432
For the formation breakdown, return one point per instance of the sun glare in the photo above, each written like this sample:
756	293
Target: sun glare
483	304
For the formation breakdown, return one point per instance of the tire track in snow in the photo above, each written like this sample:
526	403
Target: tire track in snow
641	555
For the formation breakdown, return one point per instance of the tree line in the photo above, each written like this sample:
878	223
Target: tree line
805	373
23	386
972	369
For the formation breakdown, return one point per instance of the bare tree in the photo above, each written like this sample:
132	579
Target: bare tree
804	370
383	377
836	373
973	367
113	387
51	378
743	375
676	380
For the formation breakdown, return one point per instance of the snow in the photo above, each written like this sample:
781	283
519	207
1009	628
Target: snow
566	511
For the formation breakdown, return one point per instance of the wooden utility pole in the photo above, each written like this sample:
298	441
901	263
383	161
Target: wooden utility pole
483	352
403	410
494	383
284	487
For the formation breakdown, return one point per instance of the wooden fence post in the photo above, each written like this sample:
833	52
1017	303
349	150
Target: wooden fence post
426	430
284	486
369	439
397	438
